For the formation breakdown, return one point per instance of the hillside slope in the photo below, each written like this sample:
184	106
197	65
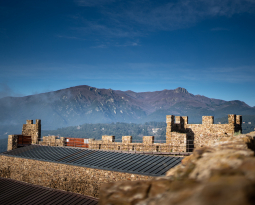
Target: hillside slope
85	104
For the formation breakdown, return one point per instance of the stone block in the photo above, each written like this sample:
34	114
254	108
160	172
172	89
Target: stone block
170	119
231	119
29	122
126	139
107	139
207	120
148	139
12	142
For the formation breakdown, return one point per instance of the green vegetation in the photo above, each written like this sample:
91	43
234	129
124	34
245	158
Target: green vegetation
119	129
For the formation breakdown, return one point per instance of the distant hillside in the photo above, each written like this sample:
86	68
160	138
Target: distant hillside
84	104
137	131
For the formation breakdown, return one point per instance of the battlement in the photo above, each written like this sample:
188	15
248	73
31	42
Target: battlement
33	130
180	136
200	134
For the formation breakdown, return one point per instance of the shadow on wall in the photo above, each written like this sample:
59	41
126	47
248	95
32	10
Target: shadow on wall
190	140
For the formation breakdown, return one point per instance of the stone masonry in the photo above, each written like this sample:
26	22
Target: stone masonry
179	132
180	136
12	142
76	179
33	130
53	141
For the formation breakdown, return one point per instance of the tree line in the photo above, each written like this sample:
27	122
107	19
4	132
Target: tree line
119	129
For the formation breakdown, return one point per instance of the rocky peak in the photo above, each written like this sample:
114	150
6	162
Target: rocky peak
180	90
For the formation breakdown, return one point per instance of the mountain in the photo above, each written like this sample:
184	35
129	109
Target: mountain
85	104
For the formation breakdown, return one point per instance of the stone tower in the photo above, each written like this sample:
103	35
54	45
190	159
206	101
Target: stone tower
33	130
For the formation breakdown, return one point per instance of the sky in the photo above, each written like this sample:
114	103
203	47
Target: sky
205	46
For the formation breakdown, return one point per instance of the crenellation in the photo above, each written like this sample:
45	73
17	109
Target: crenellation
207	120
126	139
53	141
29	122
33	130
107	138
185	120
239	119
148	139
12	142
180	136
199	135
231	119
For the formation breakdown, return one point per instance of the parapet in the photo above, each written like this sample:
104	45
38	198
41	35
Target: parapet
126	139
107	138
207	120
29	122
148	139
33	130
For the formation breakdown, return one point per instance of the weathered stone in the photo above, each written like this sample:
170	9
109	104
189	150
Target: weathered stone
76	179
127	193
221	174
33	130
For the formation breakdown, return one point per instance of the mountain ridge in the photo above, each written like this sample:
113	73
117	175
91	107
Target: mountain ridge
86	104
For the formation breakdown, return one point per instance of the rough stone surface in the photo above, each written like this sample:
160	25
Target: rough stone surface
199	135
53	141
33	130
223	173
180	136
76	179
12	142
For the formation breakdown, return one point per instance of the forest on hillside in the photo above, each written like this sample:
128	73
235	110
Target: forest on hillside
137	131
119	129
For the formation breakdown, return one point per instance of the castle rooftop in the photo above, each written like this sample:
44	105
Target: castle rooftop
149	165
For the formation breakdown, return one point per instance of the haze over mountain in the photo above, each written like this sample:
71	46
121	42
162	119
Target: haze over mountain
85	104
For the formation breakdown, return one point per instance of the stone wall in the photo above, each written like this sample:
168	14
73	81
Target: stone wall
12	142
53	141
199	135
33	130
148	145
221	174
180	136
76	179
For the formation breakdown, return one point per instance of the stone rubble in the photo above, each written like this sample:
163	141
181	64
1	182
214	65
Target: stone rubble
223	173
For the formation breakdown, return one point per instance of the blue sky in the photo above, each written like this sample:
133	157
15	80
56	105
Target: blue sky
205	46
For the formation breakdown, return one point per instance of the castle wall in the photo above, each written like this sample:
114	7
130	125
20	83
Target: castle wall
12	142
76	179
53	141
180	136
147	145
200	134
134	147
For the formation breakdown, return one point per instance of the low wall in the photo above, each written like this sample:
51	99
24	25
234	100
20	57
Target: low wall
76	179
138	147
